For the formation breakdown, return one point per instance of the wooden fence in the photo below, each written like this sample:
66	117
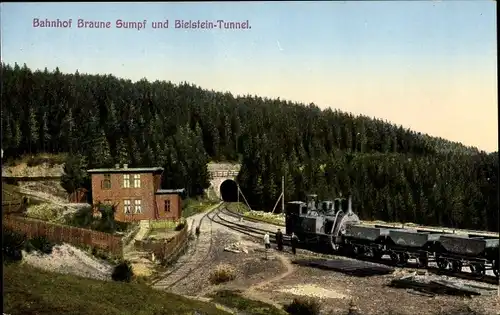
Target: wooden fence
58	233
164	249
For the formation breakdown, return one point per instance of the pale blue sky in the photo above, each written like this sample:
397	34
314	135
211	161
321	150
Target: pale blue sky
430	66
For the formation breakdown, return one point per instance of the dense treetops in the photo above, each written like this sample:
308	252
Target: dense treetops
393	173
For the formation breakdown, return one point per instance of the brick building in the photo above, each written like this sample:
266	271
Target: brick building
136	193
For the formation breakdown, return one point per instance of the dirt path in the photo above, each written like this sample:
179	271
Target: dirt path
252	291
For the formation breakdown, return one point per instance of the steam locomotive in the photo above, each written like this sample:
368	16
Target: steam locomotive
332	225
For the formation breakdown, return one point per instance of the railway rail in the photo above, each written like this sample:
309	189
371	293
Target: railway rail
196	248
254	232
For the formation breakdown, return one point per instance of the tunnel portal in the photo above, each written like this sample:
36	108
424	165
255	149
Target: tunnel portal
229	191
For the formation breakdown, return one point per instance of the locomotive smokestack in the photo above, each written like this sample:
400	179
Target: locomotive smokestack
349	205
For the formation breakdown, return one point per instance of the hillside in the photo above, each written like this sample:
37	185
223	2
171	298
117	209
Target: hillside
393	173
28	290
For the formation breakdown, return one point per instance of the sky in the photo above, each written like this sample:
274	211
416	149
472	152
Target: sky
430	66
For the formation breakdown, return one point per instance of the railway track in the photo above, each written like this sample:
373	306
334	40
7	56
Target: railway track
258	233
183	268
254	232
239	215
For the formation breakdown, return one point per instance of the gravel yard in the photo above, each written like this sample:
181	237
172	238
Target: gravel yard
262	277
251	267
371	294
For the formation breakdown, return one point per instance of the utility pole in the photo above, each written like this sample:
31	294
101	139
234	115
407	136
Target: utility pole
245	199
282	194
238	193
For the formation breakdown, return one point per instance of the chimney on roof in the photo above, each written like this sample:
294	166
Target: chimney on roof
117	165
125	165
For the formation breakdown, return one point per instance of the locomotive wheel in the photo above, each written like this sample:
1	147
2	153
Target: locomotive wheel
376	254
403	258
477	269
442	263
423	261
358	251
456	266
394	258
495	267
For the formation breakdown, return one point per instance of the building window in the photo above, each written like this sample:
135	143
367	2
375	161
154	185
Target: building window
167	205
138	208
127	207
106	183
137	180
126	181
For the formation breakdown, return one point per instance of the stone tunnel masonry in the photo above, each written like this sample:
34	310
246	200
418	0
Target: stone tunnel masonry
220	173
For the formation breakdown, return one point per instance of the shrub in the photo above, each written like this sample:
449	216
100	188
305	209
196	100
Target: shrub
123	272
37	160
85	218
107	221
44	211
12	245
222	273
303	306
41	244
82	218
180	226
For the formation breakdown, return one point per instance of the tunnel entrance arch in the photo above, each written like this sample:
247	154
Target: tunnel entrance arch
229	190
219	173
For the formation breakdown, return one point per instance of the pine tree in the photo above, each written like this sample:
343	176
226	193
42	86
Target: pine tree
122	156
33	130
75	175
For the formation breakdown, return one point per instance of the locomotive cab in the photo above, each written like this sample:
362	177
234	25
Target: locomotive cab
293	211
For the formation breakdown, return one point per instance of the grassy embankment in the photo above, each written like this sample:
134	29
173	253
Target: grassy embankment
28	290
234	300
192	206
241	208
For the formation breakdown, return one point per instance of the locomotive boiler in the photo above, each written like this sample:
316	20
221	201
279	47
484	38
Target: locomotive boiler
320	223
333	226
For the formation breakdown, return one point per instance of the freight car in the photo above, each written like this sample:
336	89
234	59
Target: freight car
333	226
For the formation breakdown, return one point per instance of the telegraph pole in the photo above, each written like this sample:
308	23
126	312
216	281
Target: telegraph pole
282	194
238	193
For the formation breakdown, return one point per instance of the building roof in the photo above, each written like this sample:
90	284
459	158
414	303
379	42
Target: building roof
127	170
170	191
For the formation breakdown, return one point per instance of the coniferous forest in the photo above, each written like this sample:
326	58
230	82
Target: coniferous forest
392	173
